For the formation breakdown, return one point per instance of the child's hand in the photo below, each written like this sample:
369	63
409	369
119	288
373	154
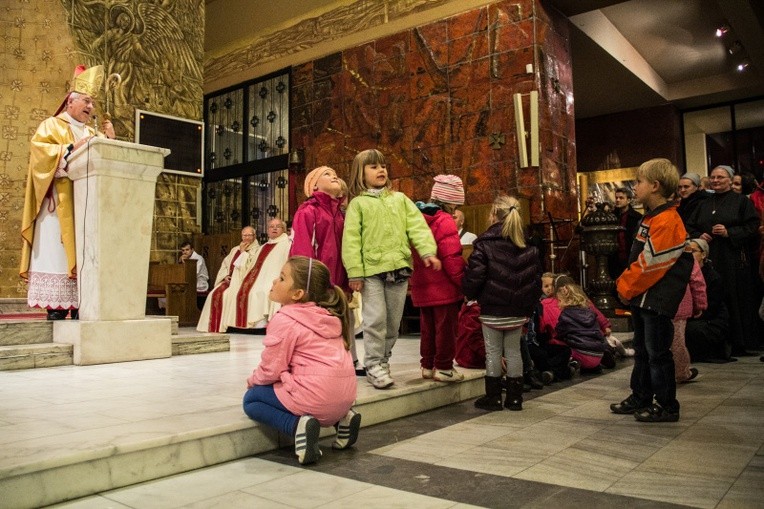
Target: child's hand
432	262
356	286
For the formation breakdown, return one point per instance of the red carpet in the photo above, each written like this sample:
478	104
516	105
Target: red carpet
24	316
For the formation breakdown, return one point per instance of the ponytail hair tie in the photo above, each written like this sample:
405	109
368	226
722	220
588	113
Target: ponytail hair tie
512	208
310	269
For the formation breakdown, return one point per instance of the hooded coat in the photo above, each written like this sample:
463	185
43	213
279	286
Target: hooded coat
306	361
436	288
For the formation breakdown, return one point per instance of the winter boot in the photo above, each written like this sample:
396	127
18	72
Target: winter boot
492	399
514	399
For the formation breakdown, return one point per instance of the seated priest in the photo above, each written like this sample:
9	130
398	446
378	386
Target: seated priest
245	303
222	294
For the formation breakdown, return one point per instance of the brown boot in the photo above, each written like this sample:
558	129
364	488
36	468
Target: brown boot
514	399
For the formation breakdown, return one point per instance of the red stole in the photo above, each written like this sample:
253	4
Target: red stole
242	299
216	308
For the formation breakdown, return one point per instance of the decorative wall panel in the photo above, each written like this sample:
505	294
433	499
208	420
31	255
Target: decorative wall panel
156	48
439	98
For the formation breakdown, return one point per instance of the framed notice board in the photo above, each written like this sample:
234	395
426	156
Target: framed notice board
184	138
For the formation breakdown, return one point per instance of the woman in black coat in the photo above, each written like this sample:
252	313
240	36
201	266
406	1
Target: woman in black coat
728	221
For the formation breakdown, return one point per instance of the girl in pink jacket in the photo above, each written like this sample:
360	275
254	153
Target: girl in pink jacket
306	379
693	304
317	229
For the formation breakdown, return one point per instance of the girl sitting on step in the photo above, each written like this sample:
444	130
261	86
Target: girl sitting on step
306	378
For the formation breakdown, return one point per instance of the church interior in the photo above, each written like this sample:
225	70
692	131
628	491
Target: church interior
551	101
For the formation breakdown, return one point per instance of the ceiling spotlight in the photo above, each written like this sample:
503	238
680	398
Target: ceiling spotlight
735	48
722	30
742	66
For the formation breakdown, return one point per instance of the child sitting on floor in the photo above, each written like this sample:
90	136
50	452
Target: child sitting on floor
578	326
306	379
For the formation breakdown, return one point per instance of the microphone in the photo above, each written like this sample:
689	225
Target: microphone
95	119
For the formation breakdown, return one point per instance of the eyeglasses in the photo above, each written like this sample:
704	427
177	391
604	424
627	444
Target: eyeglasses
696	250
718	177
247	234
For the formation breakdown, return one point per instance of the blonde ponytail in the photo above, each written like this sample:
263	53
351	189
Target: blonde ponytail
507	210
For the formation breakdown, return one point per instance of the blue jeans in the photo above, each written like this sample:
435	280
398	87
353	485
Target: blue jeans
653	373
262	405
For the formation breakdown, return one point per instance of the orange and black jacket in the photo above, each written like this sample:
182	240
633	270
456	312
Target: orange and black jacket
659	264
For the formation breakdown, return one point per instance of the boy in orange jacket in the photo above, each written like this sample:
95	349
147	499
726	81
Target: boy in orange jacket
653	286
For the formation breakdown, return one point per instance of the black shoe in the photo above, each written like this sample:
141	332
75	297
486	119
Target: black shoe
656	413
533	379
547	377
57	314
693	376
75	314
492	399
761	358
628	406
490	403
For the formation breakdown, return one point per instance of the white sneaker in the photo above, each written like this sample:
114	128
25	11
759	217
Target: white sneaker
379	377
306	440
447	375
427	373
347	430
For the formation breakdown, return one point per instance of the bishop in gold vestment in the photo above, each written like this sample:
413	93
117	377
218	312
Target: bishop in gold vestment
48	258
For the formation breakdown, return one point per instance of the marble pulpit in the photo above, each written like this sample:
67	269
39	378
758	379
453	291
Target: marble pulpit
114	190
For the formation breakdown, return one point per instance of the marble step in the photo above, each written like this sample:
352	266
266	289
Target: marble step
25	332
36	331
187	342
8	305
38	355
177	444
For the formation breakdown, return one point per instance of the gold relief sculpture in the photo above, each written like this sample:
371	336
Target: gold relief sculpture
155	48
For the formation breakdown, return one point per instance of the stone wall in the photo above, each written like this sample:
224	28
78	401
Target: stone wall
438	98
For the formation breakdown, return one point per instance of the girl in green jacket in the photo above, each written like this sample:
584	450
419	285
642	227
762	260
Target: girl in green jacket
380	227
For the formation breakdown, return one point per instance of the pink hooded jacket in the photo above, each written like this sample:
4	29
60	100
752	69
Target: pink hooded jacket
317	226
695	299
306	362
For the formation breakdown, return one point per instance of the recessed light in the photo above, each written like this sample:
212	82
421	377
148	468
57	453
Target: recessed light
722	30
742	66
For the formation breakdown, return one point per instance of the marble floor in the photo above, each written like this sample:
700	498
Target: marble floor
564	449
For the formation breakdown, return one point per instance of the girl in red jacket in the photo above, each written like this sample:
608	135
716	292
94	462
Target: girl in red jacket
438	294
305	379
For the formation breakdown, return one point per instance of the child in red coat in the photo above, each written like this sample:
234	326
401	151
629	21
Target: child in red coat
438	294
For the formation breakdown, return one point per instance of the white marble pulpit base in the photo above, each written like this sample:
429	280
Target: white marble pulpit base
105	341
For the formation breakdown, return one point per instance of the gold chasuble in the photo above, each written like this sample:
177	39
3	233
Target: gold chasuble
48	146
